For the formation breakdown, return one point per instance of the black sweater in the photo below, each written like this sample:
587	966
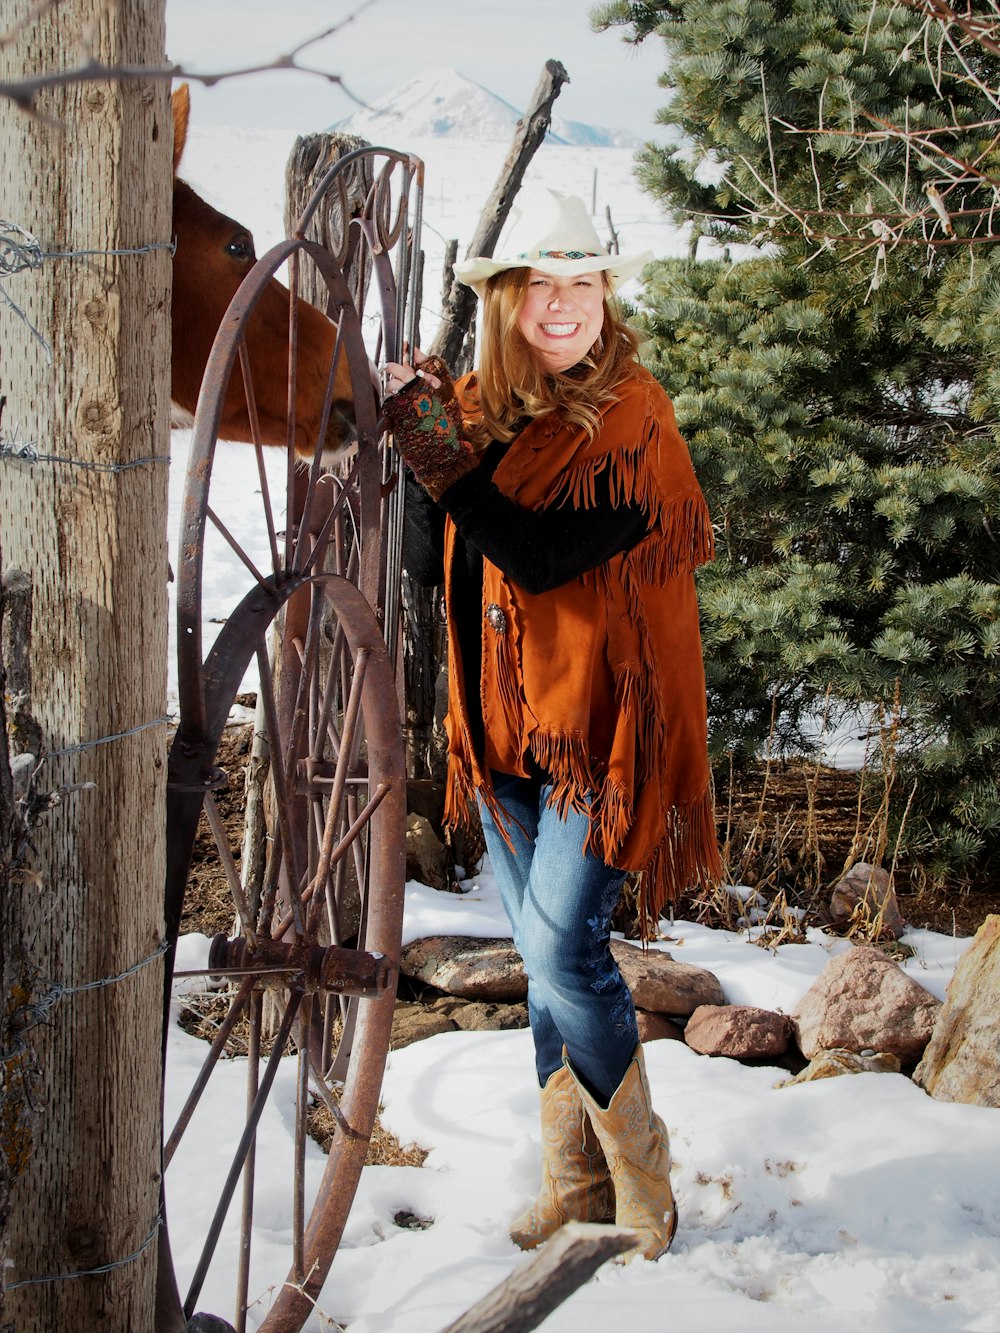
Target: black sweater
538	550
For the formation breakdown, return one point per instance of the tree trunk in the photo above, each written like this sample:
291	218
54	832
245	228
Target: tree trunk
91	172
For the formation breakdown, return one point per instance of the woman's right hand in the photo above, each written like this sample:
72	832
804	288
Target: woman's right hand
430	369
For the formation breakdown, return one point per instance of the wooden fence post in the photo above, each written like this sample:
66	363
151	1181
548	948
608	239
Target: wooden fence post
310	159
86	524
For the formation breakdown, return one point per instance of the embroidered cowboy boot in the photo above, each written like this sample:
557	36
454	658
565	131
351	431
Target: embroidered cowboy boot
637	1150
576	1186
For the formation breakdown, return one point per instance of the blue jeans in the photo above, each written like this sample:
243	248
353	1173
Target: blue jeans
559	900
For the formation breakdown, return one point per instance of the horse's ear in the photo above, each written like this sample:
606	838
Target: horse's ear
180	101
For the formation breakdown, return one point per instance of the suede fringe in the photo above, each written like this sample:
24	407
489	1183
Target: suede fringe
566	760
680	537
459	792
687	855
638	695
610	820
507	685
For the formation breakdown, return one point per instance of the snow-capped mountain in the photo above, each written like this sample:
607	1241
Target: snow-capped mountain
441	103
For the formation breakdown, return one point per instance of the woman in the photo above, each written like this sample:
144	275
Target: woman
571	524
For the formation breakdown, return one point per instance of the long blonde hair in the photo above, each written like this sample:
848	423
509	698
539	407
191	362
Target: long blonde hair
511	384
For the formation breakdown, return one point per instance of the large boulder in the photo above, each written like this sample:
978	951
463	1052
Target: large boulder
962	1060
475	969
862	1001
662	985
740	1031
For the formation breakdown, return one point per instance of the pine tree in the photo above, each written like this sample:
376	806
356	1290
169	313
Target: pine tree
839	384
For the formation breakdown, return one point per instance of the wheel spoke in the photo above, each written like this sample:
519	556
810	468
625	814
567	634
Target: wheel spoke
242	1149
259	452
225	533
250	1170
233	1015
229	866
278	777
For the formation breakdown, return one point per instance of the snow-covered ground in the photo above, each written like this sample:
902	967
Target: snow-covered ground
857	1201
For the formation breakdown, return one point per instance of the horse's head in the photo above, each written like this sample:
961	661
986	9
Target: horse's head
213	255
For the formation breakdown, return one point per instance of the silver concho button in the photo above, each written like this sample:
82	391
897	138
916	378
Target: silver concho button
496	619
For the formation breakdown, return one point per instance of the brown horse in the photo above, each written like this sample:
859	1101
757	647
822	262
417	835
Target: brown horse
213	255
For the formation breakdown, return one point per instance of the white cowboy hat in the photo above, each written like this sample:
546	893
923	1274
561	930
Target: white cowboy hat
553	233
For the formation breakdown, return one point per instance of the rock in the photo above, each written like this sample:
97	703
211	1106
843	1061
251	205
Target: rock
828	1064
867	891
659	984
480	1015
962	1060
476	969
414	1022
654	1027
862	1001
425	855
741	1031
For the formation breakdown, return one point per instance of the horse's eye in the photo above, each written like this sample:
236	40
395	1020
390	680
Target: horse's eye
241	247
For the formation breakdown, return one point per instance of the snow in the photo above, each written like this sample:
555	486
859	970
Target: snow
817	1206
853	1201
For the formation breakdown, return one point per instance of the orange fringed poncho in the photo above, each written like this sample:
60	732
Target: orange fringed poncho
601	680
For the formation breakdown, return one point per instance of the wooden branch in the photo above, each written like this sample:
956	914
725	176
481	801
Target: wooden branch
981	30
561	1266
531	130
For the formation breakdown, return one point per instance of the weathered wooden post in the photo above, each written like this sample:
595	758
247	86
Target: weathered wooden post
310	159
85	524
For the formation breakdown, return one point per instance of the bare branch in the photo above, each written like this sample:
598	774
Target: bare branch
984	31
23	92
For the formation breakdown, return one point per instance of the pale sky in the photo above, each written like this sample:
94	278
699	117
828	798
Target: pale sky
501	44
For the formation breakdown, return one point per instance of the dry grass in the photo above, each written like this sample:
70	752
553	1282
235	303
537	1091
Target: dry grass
384	1149
791	830
201	1017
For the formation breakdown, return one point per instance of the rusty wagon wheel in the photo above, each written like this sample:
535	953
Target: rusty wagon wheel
301	995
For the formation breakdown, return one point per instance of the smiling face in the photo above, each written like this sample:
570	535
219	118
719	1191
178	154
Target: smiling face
562	317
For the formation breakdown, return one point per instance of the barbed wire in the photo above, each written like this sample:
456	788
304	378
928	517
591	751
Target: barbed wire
36	333
92	1272
105	740
26	451
35	1012
21	251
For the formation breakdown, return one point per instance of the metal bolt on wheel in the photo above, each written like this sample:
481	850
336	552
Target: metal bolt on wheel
305	984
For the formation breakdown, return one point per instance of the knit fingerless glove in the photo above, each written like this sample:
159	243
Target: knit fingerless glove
426	426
